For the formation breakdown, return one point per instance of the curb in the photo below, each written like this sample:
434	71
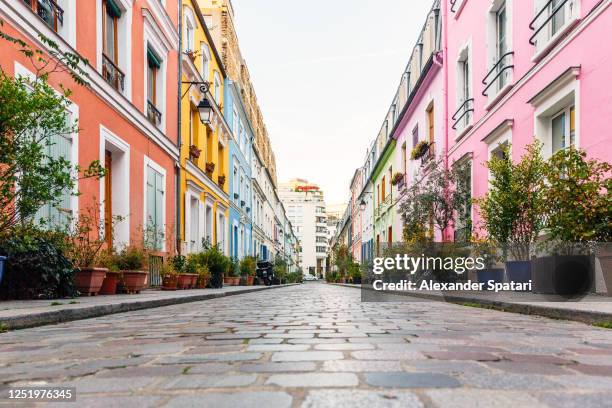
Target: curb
583	316
26	321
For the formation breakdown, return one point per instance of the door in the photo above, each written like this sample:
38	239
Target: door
108	198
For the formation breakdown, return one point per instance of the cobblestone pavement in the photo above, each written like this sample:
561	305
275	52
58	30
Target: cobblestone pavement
315	345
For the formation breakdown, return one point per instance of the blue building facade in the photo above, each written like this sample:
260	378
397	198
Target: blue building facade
240	184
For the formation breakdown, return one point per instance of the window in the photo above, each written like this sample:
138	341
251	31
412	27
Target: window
463	116
415	136
155	190
463	228
110	48
383	188
205	62
153	66
208	224
404	159
221	232
57	214
190	26
49	11
563	127
551	19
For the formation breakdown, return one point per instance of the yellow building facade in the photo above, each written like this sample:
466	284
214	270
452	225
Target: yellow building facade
205	135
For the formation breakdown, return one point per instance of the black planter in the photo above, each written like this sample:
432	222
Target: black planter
2	261
216	280
568	276
493	274
518	271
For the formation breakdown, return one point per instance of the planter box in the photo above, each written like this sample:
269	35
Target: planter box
88	281
228	280
109	286
184	281
2	262
250	280
169	282
563	275
605	260
518	271
202	283
134	281
493	274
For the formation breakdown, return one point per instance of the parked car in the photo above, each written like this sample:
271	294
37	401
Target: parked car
310	278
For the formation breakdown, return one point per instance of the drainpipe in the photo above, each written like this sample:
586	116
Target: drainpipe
179	138
444	22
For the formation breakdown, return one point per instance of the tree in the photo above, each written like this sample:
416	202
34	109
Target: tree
512	209
581	192
33	119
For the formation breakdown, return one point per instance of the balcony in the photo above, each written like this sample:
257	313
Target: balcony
112	74
153	114
48	11
463	115
383	206
498	76
430	155
551	22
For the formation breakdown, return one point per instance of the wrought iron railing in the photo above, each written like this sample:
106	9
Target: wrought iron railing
537	26
112	74
501	69
153	114
429	155
463	113
463	235
49	11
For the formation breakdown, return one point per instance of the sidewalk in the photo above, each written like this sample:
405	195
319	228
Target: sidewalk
591	309
20	314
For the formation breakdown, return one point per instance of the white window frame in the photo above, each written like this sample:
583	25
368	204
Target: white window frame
217	87
493	53
190	25
148	162
153	39
545	40
464	56
121	179
124	41
205	61
555	97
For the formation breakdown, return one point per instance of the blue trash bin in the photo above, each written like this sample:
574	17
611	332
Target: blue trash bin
2	261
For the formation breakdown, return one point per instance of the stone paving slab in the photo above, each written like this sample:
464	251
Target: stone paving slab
217	353
31	313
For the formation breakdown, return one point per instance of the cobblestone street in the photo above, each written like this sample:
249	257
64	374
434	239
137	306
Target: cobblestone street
315	345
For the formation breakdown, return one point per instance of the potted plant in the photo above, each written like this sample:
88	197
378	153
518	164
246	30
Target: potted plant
203	277
398	178
513	208
221	180
216	262
419	150
485	249
194	152
210	167
106	259
85	244
169	276
131	262
580	216
179	263
248	267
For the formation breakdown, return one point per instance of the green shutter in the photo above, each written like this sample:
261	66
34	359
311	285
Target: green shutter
112	9
153	60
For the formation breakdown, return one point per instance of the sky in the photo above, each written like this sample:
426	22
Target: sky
325	73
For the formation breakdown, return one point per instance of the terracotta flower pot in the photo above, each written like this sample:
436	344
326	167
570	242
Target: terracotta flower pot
236	281
169	282
88	281
184	280
228	280
134	281
109	286
250	280
194	281
203	282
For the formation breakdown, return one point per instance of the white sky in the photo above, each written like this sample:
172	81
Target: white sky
325	73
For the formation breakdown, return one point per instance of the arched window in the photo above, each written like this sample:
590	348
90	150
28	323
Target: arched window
217	84
190	27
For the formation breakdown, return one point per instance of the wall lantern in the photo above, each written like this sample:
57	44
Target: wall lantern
205	110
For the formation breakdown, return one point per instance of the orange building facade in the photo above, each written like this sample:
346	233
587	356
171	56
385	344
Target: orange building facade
127	116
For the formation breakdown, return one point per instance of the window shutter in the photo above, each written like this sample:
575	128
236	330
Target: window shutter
153	60
113	9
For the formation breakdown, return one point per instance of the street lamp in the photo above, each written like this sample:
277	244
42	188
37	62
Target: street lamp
362	205
205	110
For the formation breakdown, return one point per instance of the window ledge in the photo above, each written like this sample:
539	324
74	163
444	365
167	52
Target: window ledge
463	132
552	42
460	9
495	99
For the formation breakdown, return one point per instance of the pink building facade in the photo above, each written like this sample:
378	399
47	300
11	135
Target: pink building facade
486	73
519	71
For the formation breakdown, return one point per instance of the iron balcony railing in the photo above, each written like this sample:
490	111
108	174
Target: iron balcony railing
498	75
384	206
430	155
48	11
153	114
463	113
112	74
537	26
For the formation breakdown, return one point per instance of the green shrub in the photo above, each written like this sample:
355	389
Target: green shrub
248	266
131	259
37	267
